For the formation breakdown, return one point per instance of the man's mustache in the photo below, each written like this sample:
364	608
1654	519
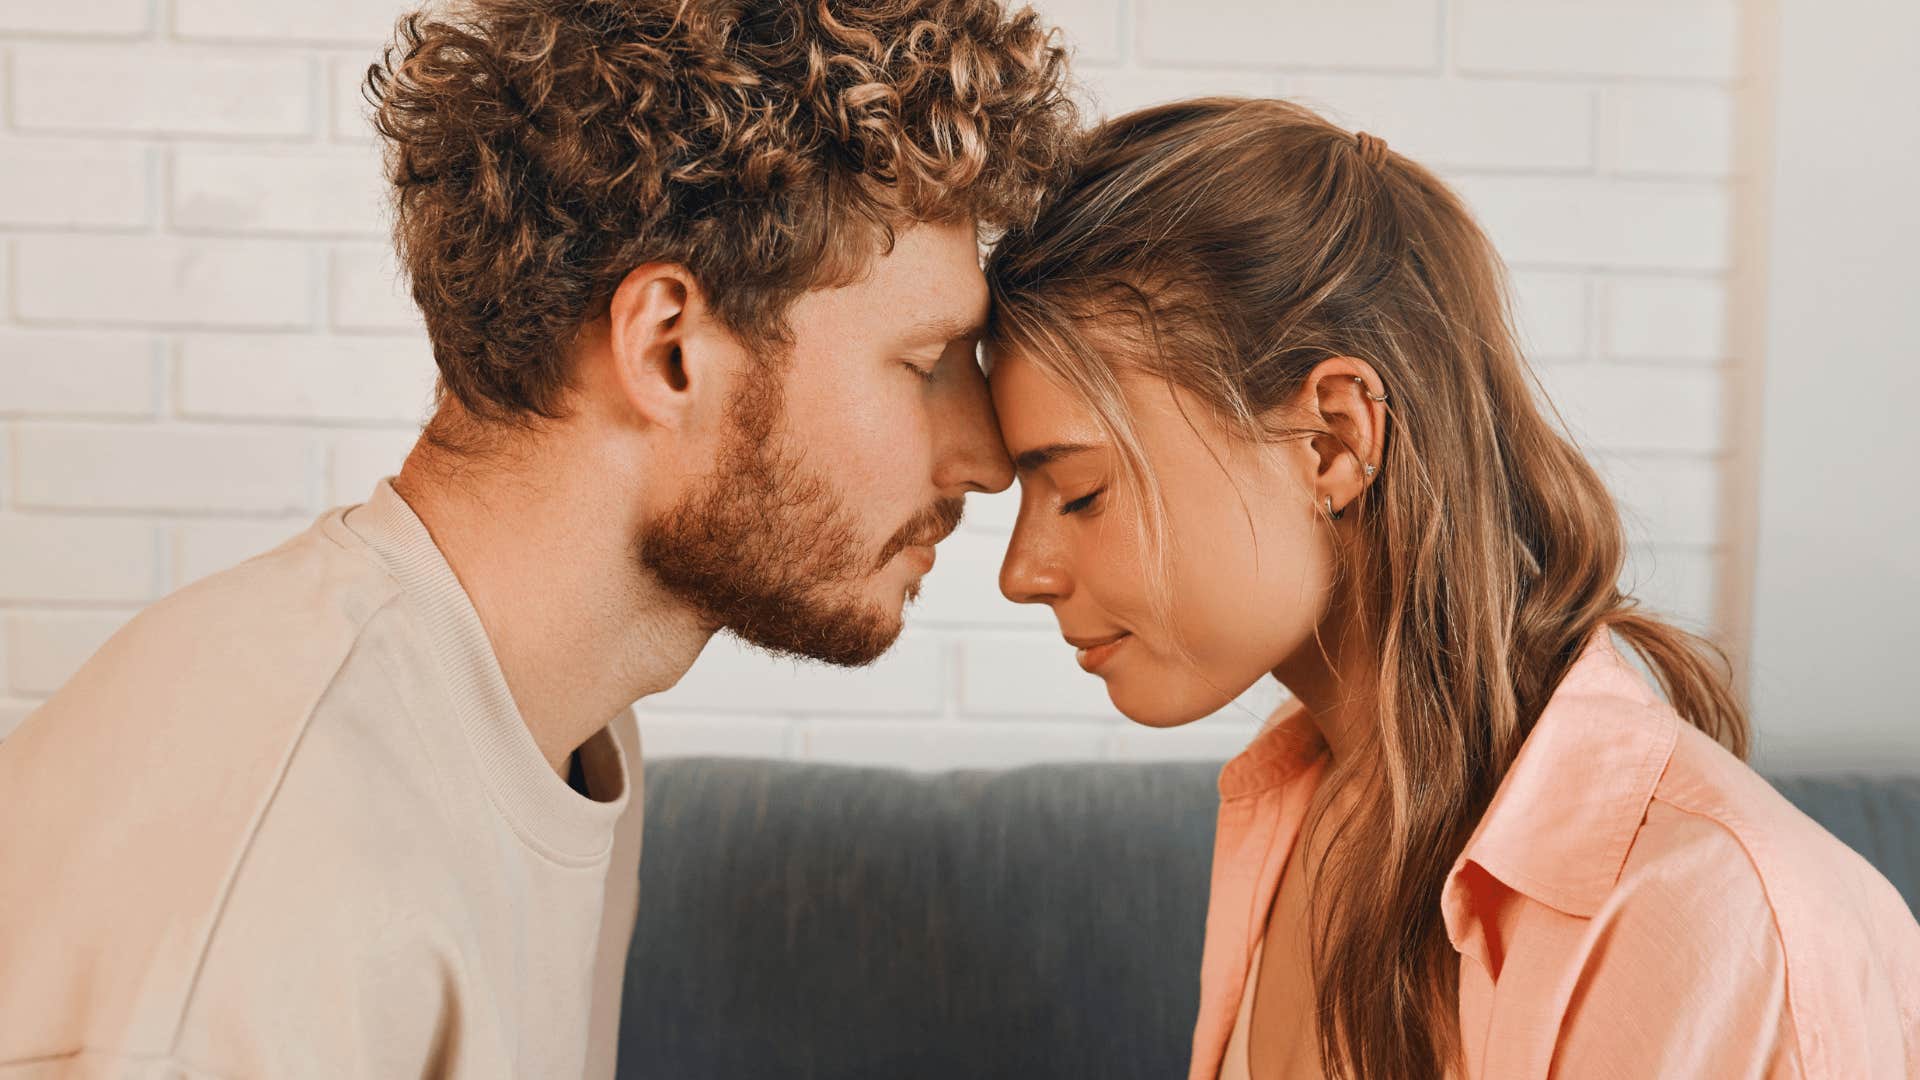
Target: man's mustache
928	527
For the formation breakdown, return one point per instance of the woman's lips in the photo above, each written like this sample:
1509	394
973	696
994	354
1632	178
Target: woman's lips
1093	656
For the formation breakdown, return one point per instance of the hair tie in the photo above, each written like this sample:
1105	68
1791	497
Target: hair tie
1372	148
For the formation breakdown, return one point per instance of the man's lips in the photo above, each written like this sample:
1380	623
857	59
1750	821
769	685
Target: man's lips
909	545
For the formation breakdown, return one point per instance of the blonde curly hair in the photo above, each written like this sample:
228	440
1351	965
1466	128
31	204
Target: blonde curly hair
538	150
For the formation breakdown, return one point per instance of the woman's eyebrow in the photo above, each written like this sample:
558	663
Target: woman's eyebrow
1029	460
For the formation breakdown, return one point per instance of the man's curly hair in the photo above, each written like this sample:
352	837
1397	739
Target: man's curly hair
539	150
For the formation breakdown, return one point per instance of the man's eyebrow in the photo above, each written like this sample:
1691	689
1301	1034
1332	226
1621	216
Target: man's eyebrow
1029	460
941	329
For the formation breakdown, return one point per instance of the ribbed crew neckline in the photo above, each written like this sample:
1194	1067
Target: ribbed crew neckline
547	813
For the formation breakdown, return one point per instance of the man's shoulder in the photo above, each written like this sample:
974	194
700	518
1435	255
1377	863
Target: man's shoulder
205	691
279	623
211	690
313	587
135	791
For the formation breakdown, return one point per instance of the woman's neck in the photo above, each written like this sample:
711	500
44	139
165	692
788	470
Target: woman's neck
1334	683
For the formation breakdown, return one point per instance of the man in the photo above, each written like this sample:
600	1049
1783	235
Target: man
702	283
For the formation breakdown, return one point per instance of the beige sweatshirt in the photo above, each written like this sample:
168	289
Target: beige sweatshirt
289	823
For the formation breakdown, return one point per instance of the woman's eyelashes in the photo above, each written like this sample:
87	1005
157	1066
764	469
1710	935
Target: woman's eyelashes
1081	503
926	373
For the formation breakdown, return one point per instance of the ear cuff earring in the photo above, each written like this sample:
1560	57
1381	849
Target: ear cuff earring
1369	468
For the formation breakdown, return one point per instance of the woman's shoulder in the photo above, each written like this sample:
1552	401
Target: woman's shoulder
1726	876
1712	813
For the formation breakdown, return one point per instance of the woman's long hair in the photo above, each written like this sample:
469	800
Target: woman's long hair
1239	243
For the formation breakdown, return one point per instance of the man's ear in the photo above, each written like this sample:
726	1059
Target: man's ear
649	324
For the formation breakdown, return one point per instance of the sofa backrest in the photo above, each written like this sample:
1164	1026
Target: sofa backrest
813	921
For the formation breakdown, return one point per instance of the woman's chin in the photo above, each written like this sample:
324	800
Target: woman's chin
1160	706
1157	712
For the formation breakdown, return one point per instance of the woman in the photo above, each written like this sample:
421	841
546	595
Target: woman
1269	416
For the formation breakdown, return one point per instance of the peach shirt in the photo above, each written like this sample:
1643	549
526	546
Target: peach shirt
1636	902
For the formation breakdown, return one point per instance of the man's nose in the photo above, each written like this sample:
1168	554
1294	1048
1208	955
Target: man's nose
973	456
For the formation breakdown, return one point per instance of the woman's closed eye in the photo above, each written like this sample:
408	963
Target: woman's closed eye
1081	503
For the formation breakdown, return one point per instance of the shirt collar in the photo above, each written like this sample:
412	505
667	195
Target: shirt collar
1562	819
543	809
1287	744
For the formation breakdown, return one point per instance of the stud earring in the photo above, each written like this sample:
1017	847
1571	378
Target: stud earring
1371	469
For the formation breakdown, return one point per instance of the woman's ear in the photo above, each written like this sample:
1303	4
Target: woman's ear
1351	406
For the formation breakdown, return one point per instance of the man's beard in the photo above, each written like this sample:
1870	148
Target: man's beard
767	549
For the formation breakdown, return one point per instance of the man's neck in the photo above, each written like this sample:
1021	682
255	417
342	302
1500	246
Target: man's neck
579	630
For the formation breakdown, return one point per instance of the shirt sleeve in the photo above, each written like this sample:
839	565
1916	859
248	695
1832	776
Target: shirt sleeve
1686	974
284	998
102	1065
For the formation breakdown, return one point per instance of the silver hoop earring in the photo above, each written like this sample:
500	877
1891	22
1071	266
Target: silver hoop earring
1367	390
1331	512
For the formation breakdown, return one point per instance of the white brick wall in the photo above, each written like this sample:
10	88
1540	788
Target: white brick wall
245	191
102	19
160	88
204	341
1625	39
1445	122
74	184
1361	35
161	281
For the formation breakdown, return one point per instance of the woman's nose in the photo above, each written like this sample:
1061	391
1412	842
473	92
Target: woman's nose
1029	575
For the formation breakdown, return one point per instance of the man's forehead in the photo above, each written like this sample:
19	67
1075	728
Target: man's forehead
933	310
927	289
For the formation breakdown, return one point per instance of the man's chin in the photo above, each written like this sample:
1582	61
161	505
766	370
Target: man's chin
845	638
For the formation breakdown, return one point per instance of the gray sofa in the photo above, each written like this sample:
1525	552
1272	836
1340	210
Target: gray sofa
819	921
